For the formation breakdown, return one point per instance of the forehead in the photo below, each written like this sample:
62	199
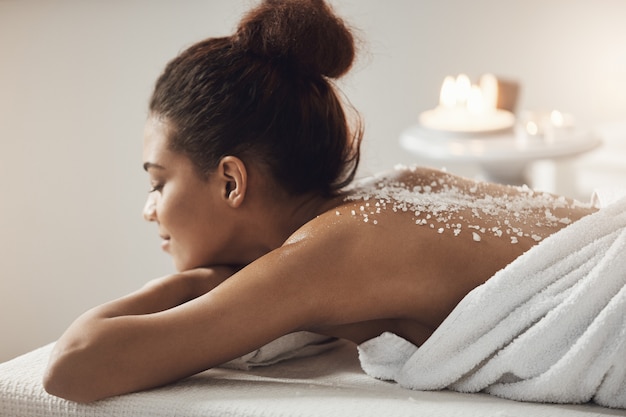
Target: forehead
155	140
156	150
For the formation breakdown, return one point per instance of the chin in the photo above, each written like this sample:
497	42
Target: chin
182	265
179	267
184	262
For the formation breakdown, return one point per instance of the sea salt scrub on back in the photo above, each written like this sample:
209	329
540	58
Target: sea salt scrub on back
450	204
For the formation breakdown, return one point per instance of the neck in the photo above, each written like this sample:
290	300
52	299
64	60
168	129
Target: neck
276	219
302	210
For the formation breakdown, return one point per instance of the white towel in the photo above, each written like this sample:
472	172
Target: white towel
550	327
291	346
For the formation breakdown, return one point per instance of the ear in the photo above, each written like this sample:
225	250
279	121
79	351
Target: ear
233	179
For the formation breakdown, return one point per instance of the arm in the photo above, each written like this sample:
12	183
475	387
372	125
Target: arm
156	296
316	280
165	331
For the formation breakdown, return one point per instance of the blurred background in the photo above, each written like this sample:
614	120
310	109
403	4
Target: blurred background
75	77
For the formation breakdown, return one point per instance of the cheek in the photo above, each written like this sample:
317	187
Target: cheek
173	214
183	217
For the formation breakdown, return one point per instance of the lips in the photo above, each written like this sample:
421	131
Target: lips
165	242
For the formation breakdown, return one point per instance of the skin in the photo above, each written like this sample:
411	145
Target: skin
246	250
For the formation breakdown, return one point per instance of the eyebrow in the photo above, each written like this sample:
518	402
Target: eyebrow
148	165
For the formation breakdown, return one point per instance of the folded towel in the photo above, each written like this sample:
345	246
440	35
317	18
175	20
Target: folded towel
549	327
290	346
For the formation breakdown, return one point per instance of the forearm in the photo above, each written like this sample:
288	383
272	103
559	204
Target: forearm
164	293
157	295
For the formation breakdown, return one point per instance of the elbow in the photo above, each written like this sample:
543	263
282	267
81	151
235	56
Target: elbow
55	384
67	377
61	387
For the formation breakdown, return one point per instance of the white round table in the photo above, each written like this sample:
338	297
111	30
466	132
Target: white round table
503	157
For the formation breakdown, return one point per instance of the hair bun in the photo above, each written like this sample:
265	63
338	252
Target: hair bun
304	33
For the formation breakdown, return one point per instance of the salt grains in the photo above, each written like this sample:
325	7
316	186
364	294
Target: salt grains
449	206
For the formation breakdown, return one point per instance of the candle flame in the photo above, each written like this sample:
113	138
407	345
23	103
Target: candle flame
489	87
447	96
460	93
463	88
475	100
557	119
532	128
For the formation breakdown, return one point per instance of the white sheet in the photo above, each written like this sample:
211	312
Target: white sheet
549	327
330	384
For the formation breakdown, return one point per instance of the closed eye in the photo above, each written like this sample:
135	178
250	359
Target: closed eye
156	187
148	166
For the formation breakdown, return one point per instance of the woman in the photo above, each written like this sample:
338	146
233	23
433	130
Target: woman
250	155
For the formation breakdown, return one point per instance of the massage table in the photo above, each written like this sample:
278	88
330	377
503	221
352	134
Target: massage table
330	383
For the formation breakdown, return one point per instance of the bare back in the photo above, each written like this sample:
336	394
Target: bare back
409	246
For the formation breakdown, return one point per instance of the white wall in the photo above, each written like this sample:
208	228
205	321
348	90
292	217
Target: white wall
75	78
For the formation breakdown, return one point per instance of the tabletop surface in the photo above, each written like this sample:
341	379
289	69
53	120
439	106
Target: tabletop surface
503	146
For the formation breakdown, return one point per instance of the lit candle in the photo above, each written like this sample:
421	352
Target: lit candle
532	128
489	87
447	96
476	101
463	88
546	125
557	119
465	107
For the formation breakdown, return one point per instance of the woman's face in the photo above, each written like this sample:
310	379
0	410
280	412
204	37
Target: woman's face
186	207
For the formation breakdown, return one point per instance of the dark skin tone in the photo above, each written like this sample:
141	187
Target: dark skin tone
302	263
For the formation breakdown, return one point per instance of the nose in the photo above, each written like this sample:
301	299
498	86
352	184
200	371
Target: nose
149	210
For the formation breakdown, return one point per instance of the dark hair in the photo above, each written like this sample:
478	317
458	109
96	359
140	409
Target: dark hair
266	93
